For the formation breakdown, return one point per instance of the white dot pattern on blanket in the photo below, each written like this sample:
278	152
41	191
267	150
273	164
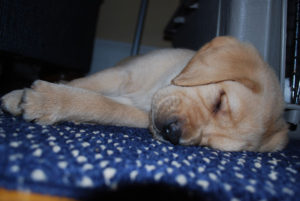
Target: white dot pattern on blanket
38	175
95	157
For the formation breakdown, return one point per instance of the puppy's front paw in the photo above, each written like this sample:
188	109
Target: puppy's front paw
11	102
41	103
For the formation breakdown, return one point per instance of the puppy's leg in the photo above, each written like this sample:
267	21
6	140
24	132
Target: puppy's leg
11	102
110	81
47	103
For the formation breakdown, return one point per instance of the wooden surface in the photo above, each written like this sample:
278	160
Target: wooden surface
9	195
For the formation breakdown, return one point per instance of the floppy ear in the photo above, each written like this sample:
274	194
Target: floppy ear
222	59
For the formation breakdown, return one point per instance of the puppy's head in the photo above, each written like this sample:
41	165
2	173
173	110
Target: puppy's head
226	97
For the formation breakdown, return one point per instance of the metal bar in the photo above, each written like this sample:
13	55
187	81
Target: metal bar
218	31
295	74
139	28
283	43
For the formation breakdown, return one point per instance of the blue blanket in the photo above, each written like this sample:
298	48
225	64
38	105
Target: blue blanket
83	161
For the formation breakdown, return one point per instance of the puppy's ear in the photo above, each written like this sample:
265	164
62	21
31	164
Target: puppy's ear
222	59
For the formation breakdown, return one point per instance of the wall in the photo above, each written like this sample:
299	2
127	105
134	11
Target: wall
117	21
116	27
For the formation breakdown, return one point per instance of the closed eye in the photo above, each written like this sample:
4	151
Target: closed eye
218	104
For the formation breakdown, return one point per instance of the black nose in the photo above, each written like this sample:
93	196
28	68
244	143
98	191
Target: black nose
171	131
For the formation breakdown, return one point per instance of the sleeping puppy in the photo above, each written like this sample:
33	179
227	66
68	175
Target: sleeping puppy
223	96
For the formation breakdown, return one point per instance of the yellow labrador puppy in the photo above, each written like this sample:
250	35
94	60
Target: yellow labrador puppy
223	96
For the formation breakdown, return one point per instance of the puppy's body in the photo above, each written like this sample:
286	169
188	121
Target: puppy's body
120	95
223	96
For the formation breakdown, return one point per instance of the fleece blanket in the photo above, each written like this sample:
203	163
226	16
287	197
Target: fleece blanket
84	162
